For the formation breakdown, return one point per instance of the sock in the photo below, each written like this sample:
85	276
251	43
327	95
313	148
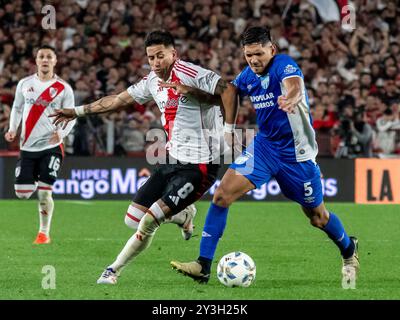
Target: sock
46	207
142	239
212	232
335	231
133	217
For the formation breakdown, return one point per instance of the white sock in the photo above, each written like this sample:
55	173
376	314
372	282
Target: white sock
46	207
141	240
133	217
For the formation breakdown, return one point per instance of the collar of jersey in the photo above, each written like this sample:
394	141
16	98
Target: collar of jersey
53	78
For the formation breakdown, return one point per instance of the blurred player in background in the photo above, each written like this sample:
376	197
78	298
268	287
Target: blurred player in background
41	146
192	123
285	148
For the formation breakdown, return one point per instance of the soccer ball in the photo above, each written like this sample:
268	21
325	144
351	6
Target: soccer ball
236	269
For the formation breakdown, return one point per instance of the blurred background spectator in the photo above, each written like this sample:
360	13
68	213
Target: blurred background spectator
352	75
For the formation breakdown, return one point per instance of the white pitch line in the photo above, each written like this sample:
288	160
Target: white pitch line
87	203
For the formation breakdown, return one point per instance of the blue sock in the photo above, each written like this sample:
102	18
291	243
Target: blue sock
212	231
335	231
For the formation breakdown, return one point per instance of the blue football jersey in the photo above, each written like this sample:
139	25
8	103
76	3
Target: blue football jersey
290	135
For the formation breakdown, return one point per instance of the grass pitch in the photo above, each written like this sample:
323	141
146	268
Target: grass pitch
294	260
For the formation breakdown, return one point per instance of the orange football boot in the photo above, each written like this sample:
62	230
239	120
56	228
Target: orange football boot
41	239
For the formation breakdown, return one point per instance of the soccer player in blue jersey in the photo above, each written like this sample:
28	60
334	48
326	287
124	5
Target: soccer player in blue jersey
284	148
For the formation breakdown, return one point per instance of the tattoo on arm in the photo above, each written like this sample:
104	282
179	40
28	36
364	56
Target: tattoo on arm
221	87
105	104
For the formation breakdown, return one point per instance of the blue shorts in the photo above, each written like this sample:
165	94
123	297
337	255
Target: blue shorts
299	181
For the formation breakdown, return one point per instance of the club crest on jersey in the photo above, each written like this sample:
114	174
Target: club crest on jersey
265	81
53	92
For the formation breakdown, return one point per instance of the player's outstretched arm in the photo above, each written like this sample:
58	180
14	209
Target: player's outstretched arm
105	104
289	102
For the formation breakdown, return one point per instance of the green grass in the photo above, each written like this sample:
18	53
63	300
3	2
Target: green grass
294	260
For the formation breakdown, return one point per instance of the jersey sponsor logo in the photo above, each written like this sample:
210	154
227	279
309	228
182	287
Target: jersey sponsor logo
265	81
263	105
262	97
171	106
289	69
42	102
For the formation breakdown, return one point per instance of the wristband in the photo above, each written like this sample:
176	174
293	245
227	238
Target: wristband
80	111
229	127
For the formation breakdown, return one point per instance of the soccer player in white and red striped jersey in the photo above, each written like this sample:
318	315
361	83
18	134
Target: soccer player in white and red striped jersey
41	146
194	125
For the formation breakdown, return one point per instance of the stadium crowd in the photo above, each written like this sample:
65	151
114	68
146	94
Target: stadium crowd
352	76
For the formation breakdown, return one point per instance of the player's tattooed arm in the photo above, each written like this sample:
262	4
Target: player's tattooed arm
109	103
222	85
106	104
228	94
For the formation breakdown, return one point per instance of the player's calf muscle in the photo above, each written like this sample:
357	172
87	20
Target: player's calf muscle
318	216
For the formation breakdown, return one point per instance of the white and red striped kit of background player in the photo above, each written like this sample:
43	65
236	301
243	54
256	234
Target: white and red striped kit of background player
34	101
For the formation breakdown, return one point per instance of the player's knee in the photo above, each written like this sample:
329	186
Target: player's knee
131	223
222	197
148	225
44	195
133	216
24	191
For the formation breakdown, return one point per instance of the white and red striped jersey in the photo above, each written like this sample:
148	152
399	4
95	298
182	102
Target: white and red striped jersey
34	101
194	128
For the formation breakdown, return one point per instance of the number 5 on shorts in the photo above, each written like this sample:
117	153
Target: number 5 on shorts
308	190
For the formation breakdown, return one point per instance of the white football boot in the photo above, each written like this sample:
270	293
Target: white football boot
184	220
350	268
109	276
187	225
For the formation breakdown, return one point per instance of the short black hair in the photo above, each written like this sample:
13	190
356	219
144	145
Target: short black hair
256	35
159	37
46	46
